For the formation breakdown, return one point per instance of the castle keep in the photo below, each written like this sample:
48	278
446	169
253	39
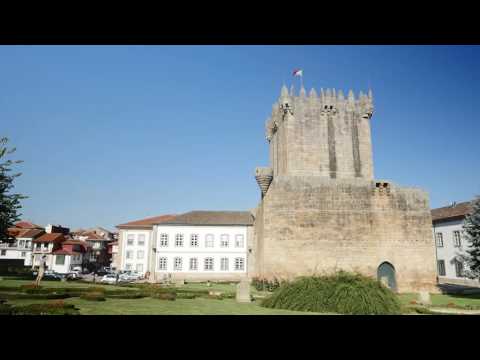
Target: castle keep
321	209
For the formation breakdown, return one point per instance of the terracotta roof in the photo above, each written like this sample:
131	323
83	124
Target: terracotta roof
212	218
148	222
451	212
27	225
30	233
77	242
53	237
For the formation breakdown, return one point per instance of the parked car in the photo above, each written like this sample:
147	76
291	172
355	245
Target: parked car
52	275
109	279
130	276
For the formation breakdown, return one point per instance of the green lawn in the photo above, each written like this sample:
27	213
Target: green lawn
444	300
150	306
197	306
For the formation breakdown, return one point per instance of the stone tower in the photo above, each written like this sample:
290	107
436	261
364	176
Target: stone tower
321	208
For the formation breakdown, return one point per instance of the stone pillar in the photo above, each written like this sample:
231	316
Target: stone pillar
243	291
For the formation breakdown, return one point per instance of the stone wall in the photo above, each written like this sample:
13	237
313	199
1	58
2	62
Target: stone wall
326	136
312	225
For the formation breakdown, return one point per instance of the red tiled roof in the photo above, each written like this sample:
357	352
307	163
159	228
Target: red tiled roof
53	237
148	222
76	242
27	225
451	212
30	233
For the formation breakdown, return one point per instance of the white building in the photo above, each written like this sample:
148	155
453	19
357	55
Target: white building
198	245
450	243
20	251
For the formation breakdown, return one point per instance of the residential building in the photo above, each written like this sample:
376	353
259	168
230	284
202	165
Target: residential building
113	253
47	244
19	251
198	245
99	253
69	256
451	244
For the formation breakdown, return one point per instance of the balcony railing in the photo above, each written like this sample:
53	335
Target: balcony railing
14	245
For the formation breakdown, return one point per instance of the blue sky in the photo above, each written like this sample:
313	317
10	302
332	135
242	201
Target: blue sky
116	133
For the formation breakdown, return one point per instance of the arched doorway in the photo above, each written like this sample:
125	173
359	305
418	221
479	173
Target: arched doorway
386	275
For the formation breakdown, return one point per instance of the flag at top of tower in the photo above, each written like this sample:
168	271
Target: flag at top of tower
298	72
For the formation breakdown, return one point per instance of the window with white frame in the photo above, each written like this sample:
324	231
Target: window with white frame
163	240
21	243
139	268
179	240
141	240
239	264
162	263
128	266
224	264
130	239
193	264
458	268
224	240
3	252
194	240
23	254
209	240
239	241
208	264
128	254
38	246
441	267
456	239
177	264
140	254
28	244
439	239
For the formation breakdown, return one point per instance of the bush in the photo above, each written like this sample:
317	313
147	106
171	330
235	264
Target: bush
96	289
93	296
187	295
46	309
171	296
127	295
342	292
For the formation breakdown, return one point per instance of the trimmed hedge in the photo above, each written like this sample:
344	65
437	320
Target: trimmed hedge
342	292
53	308
93	296
171	296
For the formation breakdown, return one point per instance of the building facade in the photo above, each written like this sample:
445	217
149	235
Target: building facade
451	244
199	245
321	209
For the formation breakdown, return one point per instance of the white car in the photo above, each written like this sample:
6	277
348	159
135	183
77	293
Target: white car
109	279
130	276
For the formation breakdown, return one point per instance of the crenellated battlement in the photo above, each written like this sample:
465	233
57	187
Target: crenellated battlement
328	100
324	133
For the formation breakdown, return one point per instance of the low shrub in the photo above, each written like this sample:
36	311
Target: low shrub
30	286
128	295
6	309
186	295
46	309
341	292
96	289
171	296
93	296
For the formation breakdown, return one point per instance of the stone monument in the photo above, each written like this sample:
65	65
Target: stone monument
321	209
243	291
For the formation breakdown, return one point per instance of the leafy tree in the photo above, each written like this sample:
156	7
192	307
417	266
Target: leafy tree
9	202
471	227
